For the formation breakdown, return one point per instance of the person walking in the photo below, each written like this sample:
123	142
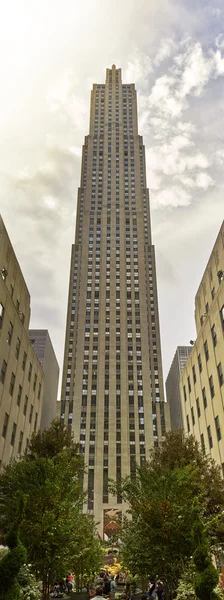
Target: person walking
112	589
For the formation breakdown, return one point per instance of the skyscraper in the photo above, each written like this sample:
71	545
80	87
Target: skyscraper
173	386
44	351
112	388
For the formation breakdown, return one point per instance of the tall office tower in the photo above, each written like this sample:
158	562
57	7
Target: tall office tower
44	351
112	388
202	379
173	386
21	375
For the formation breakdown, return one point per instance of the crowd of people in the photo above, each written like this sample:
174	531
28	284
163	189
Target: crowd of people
107	585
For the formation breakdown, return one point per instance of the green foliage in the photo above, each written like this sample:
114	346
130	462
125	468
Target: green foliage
14	593
161	536
206	575
185	589
51	475
205	582
28	584
87	554
11	562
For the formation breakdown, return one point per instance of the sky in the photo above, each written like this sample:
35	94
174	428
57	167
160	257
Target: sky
50	55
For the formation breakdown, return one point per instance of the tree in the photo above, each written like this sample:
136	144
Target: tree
12	561
87	554
159	538
51	476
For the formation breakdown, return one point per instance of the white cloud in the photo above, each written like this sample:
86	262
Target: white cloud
173	197
203	180
166	48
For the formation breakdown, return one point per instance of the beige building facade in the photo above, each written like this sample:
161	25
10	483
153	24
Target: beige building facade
21	375
202	380
112	388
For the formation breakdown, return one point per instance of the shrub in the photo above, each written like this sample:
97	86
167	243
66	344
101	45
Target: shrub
205	581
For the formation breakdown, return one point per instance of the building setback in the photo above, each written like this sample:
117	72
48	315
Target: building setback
173	386
112	387
21	375
44	351
201	384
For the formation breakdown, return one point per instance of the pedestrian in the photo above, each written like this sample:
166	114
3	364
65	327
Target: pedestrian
160	591
106	584
152	590
99	593
112	589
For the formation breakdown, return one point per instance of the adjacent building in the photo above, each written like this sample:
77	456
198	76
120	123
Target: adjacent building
21	375
202	382
173	386
44	351
112	388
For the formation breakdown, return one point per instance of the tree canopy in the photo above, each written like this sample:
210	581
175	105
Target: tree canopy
51	477
159	538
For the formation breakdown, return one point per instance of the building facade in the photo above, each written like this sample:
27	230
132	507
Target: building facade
21	375
201	386
112	387
173	386
44	351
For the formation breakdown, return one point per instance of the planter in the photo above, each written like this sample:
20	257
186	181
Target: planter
79	596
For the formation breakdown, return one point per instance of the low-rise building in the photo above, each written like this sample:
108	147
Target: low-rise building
44	351
202	380
21	375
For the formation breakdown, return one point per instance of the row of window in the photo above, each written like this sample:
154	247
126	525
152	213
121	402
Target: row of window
14	428
12	379
210	440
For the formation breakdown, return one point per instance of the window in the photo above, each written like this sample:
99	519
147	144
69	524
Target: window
192	416
203	443
198	407
194	374
218	430
209	437
204	397
199	363
206	350
19	395
35	422
13	434
188	424
12	383
35	382
220	374
211	385
189	384
30	372
20	442
213	293
31	414
25	405
9	336
24	361
222	317
1	314
3	371
5	425
18	344
214	335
